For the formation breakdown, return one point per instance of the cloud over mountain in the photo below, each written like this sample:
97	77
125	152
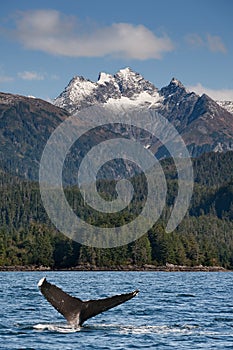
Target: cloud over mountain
215	94
28	75
211	42
52	32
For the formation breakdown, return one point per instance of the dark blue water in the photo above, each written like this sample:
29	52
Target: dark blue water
172	311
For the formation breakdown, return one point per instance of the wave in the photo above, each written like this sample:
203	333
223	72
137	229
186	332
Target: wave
121	329
162	329
185	329
60	328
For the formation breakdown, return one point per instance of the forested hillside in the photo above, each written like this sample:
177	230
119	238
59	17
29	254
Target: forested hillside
205	236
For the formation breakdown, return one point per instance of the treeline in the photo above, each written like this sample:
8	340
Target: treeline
204	237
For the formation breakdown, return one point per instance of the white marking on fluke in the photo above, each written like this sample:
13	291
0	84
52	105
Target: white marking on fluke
41	281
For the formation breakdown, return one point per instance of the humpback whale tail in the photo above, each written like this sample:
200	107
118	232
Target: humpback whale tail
74	309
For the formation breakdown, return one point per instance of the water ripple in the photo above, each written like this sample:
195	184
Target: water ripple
173	310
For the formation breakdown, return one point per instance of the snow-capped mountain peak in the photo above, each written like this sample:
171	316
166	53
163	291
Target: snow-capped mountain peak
176	85
75	93
132	83
126	86
177	82
126	73
105	78
203	124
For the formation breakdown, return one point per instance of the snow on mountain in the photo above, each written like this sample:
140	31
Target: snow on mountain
76	94
228	105
104	78
204	124
132	83
125	88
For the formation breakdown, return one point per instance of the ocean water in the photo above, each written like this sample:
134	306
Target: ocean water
172	311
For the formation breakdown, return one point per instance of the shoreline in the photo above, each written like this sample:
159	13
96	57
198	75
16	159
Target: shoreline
123	268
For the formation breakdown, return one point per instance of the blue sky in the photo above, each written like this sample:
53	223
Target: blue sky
45	43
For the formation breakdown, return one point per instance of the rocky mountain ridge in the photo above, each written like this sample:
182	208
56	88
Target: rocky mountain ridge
124	88
204	124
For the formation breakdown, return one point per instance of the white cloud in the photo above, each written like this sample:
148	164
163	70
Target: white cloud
26	75
213	43
54	33
215	94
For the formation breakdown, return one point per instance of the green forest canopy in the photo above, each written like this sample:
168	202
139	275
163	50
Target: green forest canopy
205	236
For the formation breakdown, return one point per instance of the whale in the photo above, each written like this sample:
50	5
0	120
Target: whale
75	310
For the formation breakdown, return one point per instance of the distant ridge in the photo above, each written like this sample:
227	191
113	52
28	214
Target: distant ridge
26	123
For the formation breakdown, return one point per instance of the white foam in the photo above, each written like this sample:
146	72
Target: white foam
60	328
162	329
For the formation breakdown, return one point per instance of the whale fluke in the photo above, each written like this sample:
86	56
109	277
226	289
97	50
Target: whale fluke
74	309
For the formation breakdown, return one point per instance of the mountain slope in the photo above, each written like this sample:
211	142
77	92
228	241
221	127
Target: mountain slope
25	126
